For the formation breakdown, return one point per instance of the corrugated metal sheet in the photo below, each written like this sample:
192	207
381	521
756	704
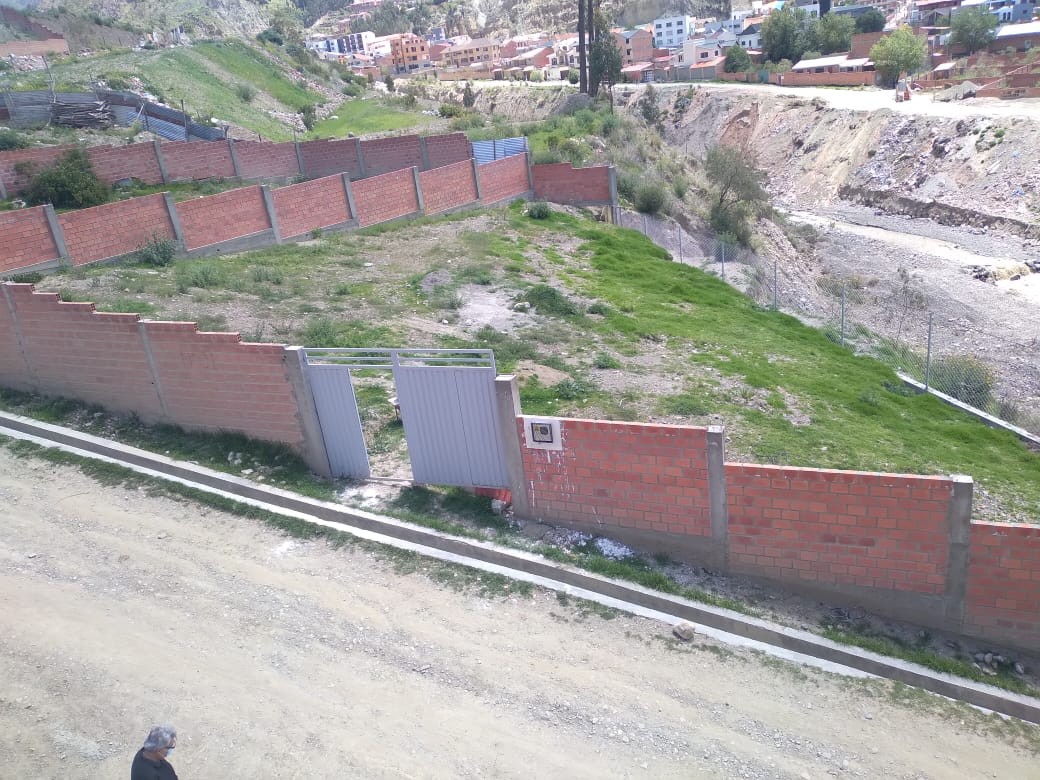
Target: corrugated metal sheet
340	421
450	424
489	151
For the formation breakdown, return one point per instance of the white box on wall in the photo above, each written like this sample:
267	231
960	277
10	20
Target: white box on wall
542	433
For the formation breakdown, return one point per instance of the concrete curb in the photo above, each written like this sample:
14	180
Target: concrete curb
475	553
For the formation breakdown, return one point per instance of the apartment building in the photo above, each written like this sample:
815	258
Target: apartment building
671	31
409	52
465	55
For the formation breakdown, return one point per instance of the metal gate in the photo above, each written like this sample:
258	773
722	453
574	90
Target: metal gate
339	420
447	403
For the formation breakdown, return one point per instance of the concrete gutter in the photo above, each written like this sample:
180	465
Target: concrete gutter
801	646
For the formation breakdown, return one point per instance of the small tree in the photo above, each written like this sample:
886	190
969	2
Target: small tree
649	107
604	64
900	52
70	183
737	60
389	82
973	28
870	21
737	191
469	97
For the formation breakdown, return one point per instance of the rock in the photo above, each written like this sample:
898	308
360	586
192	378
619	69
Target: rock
684	631
988	658
980	657
1019	669
31	555
522	306
246	472
161	536
497	506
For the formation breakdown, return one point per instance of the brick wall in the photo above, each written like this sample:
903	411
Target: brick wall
324	158
383	155
622	476
25	239
504	179
197	160
447	149
38	158
201	381
839	527
386	197
313	204
136	161
34	48
1003	594
115	228
791	79
14	371
262	160
563	183
448	187
222	217
862	43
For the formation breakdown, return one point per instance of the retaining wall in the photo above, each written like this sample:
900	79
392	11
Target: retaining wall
223	217
114	229
386	197
563	183
505	179
1003	588
25	239
449	187
34	48
311	205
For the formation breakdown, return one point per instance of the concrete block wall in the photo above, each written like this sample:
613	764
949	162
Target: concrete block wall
25	239
215	219
197	160
448	187
383	155
262	160
386	197
505	179
136	161
563	183
1003	589
304	207
324	158
114	229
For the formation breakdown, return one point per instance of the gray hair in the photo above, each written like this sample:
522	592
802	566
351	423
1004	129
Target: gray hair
159	737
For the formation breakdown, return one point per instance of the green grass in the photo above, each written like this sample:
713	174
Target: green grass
363	116
251	67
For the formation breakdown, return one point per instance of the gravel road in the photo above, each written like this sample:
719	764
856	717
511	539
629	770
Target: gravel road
284	658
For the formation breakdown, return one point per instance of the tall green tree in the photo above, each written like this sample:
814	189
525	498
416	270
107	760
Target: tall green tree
834	33
898	53
737	60
973	28
870	21
583	64
604	65
737	191
787	33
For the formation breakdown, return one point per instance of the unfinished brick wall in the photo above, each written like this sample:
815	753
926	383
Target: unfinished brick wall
222	217
14	370
504	179
881	531
563	183
325	158
197	160
792	79
136	161
386	197
622	475
447	149
115	228
25	239
1003	593
448	187
383	155
304	207
262	160
29	160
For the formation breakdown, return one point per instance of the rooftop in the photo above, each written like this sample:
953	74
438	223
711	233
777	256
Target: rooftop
1026	28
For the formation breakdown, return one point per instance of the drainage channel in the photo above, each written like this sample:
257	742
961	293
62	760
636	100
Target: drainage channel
722	624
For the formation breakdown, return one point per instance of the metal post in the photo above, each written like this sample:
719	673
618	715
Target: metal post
843	314
723	261
185	114
680	245
928	355
774	284
644	224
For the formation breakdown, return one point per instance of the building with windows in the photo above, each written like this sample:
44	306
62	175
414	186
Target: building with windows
356	43
635	45
463	55
409	52
671	31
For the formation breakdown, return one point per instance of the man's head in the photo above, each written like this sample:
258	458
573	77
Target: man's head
161	740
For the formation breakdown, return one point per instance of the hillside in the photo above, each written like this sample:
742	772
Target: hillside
200	18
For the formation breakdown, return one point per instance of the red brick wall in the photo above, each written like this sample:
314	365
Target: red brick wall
25	239
839	527
1003	595
862	43
262	160
14	371
221	217
791	79
34	48
197	160
137	161
383	155
504	179
448	187
385	197
324	158
115	228
642	477
447	149
563	183
313	204
39	158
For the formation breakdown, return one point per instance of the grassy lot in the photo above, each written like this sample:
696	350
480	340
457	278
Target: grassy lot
363	116
251	67
630	334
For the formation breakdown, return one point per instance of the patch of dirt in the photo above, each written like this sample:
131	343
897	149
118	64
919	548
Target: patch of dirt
545	375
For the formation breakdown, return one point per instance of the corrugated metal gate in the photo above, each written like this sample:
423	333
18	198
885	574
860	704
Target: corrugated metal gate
489	151
448	408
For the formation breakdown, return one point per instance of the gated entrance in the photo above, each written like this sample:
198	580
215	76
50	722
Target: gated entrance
447	404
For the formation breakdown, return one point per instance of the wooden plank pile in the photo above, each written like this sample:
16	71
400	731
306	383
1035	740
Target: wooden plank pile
96	114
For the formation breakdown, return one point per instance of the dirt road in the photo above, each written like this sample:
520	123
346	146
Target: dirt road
281	658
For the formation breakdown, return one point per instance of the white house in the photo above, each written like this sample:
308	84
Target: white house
671	31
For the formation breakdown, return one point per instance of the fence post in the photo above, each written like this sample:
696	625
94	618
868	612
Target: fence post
476	180
612	179
299	155
161	162
530	174
774	283
644	224
717	494
680	244
350	198
234	158
843	313
185	115
359	151
56	232
175	220
420	201
424	154
723	261
959	535
928	356
507	409
272	216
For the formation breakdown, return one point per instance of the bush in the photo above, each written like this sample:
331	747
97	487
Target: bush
965	378
158	251
539	210
450	110
573	77
9	139
353	90
650	198
389	82
549	300
271	35
308	116
245	93
469	97
627	185
536	76
68	184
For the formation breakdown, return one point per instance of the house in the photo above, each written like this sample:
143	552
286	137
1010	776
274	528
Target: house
409	52
697	51
1006	11
635	45
521	43
537	59
379	46
751	36
638	72
835	63
811	7
356	42
671	31
1020	37
479	50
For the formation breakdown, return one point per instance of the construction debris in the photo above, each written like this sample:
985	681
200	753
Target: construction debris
97	115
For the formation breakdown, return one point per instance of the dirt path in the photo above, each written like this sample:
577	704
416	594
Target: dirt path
281	658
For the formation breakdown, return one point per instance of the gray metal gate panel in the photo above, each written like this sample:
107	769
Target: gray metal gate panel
451	425
340	421
489	151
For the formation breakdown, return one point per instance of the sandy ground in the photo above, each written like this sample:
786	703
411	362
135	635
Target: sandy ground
281	658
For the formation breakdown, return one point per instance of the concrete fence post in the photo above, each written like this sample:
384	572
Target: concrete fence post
349	192
234	158
959	529
56	232
612	177
418	190
476	180
314	453
423	153
146	344
299	158
507	407
3	190
530	173
717	495
160	161
175	220
359	152
272	216
30	373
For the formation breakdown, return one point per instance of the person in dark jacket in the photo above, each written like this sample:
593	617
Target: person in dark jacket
151	762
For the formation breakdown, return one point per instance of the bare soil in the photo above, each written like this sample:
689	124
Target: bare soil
277	657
